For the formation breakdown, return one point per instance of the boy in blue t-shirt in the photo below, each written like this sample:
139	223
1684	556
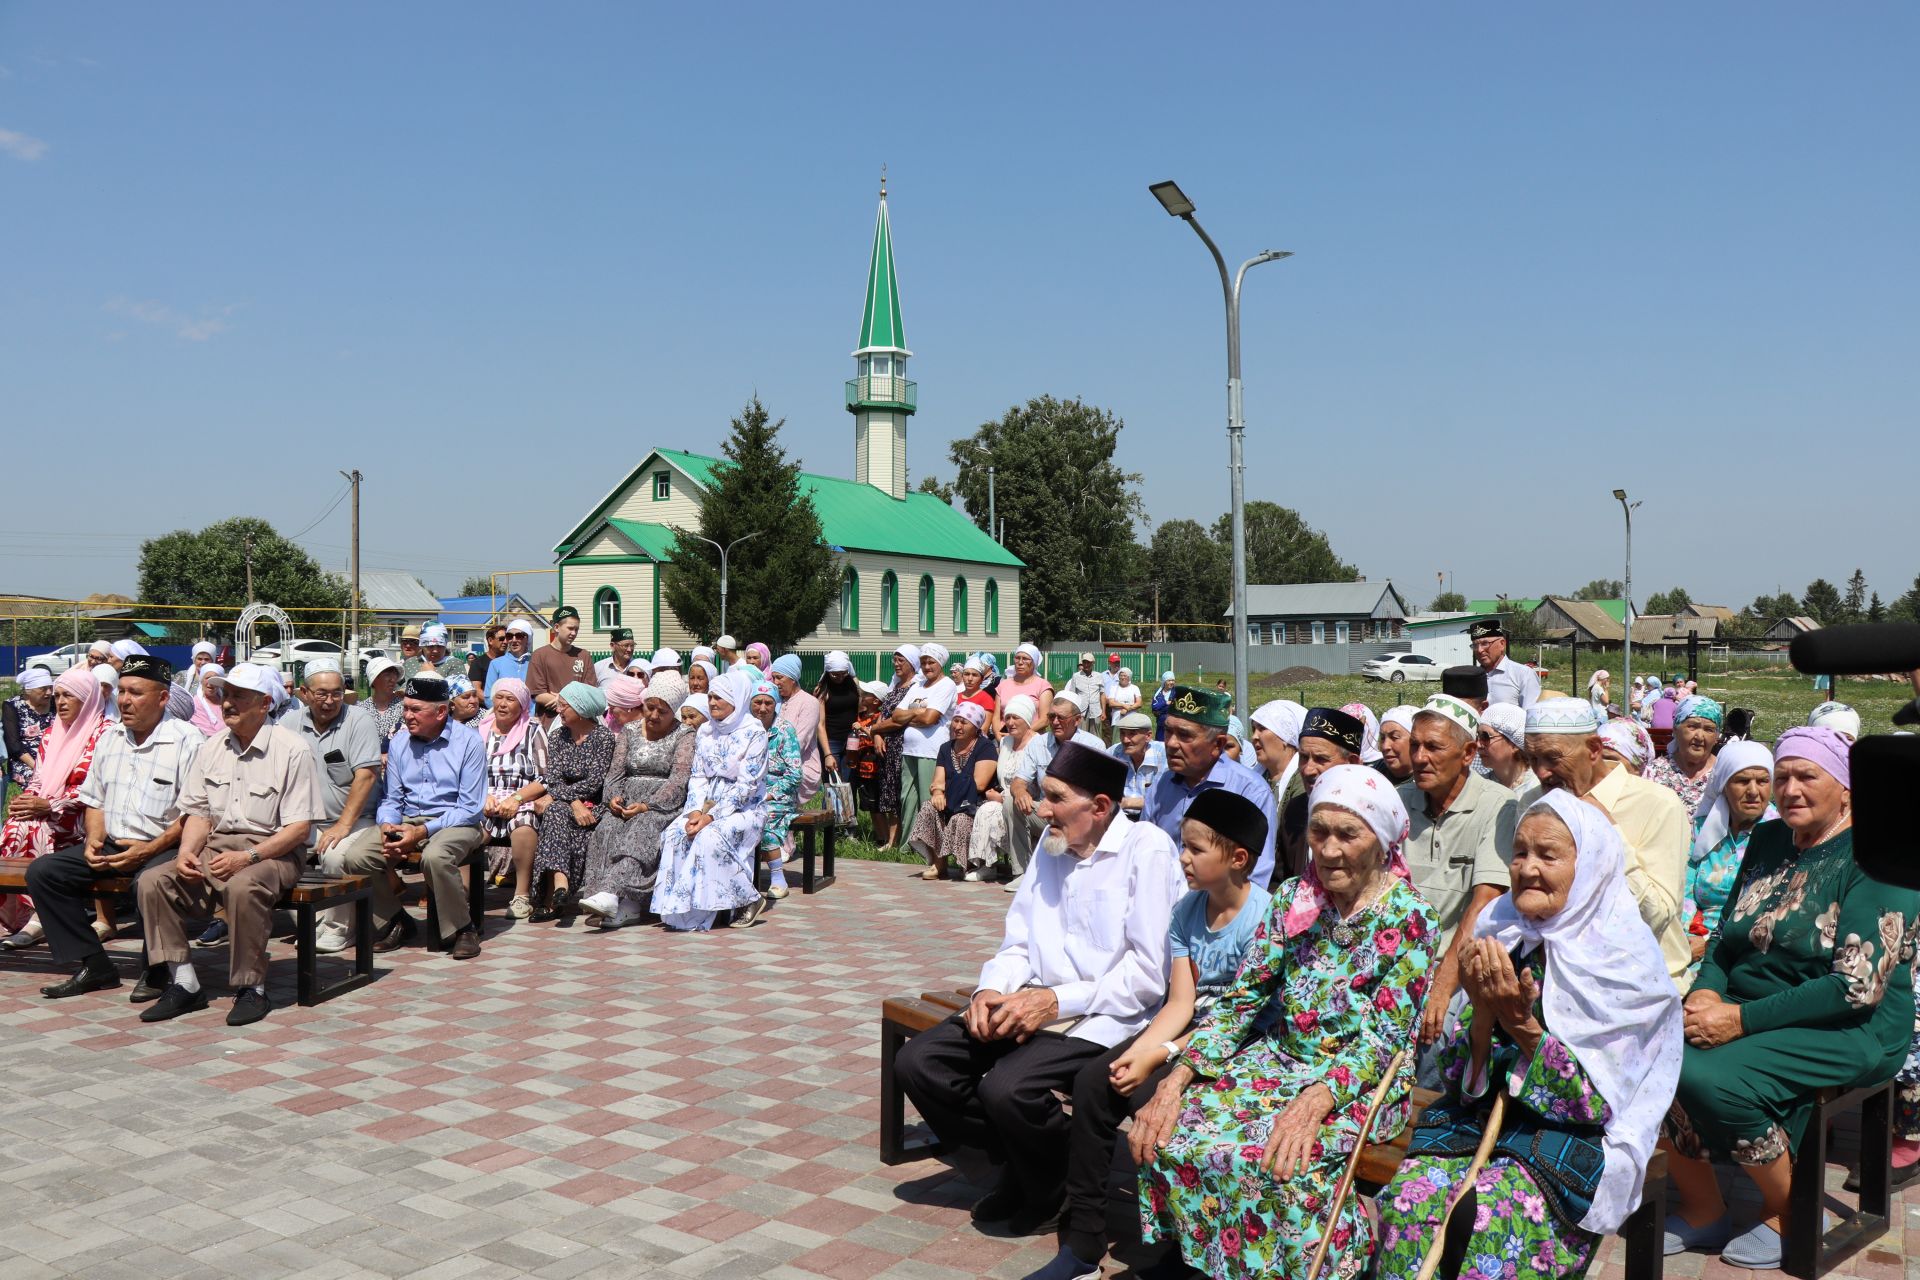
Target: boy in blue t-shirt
1221	838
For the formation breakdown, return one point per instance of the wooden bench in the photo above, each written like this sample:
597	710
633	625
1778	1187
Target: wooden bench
805	826
312	894
901	1019
1809	1251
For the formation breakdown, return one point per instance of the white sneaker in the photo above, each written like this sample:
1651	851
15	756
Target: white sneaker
521	907
600	905
331	938
1013	885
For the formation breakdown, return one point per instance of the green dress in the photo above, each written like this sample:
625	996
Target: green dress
1345	994
1811	949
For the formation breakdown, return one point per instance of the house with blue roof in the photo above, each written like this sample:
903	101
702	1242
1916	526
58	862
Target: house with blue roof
466	618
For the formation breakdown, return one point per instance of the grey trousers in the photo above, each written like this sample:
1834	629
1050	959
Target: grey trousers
360	855
448	850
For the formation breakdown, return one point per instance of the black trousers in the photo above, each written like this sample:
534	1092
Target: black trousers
997	1096
61	886
1099	1163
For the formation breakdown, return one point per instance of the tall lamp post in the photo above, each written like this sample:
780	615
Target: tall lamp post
1626	665
724	551
1175	202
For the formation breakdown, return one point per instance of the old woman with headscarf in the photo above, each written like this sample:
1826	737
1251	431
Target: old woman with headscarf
1627	742
760	657
707	855
888	732
48	815
1688	764
1739	798
803	711
516	766
646	789
28	716
1565	1007
784	777
1247	1136
579	749
1807	985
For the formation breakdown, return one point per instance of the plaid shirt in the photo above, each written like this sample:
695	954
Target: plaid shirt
138	788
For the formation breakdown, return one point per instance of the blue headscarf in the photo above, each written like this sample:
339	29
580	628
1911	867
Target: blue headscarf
788	665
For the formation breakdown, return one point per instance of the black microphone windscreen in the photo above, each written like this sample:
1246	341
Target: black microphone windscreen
1885	769
1863	649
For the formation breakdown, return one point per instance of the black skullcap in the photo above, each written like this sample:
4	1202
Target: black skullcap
1337	727
1485	627
1233	817
147	667
1464	682
564	612
1095	772
427	688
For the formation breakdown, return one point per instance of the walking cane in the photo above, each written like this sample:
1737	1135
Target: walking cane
1438	1247
1353	1161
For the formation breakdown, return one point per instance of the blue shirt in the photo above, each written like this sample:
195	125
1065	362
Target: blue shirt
442	778
504	667
1141	776
1169	796
1216	957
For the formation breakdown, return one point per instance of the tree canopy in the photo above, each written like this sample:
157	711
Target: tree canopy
1672	600
1604	589
1822	603
1192	575
784	579
1449	602
210	568
1283	548
480	585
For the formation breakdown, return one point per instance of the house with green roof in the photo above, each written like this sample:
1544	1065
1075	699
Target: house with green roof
913	568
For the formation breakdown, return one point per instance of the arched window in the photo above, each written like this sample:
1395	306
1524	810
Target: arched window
850	600
926	602
993	607
889	602
606	609
960	606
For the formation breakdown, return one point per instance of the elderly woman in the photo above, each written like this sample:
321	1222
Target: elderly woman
1162	698
463	701
1004	826
28	716
207	716
785	780
1688	764
963	773
760	657
1626	742
889	743
646	787
48	814
383	680
1502	743
1026	680
706	856
516	763
1566	1007
579	749
1740	795
808	717
1396	742
700	676
1802	988
626	695
1247	1136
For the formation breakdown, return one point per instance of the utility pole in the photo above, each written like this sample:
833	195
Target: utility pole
249	568
353	601
993	519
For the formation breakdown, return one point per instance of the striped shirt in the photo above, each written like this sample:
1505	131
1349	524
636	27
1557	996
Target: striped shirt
137	788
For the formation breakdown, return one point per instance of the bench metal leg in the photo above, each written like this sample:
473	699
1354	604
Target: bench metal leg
305	979
1810	1251
810	882
477	895
893	1103
433	923
1644	1233
308	985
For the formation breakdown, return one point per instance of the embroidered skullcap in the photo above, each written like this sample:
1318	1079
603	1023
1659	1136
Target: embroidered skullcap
322	667
587	701
1369	730
1464	682
618	634
788	665
1023	706
1202	706
1452	710
1696	706
1282	718
147	667
424	686
1486	627
1822	746
1085	769
973	713
1562	715
669	687
1837	716
565	612
1336	727
1509	721
1232	817
936	651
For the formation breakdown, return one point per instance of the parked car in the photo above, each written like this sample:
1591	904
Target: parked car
60	659
1398	668
302	651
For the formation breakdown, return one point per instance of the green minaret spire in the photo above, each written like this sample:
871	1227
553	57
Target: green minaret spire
880	327
881	397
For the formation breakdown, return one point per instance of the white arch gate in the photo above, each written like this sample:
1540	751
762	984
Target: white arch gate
252	615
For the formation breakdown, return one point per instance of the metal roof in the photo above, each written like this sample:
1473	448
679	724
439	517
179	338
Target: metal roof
1589	616
395	591
1324	600
473	611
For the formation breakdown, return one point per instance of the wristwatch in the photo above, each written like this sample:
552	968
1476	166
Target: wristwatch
1172	1047
253	857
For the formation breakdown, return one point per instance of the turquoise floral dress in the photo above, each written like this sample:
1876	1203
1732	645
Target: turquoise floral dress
1710	880
784	773
1347	994
1528	1204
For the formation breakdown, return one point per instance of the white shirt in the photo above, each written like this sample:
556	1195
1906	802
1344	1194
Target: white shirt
138	788
1513	682
923	742
1094	930
1125	698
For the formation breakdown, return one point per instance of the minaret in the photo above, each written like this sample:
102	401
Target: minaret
880	398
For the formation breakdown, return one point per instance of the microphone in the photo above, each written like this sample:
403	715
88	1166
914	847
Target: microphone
1863	649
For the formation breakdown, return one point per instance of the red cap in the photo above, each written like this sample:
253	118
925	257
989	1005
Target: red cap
1113	657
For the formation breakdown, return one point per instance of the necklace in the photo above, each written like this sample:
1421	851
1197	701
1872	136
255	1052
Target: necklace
1343	932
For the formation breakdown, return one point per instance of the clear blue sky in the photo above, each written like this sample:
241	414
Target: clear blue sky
490	253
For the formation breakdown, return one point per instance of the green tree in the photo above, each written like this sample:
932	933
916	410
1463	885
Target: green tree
1907	607
1822	603
1856	597
480	585
1876	612
1193	577
780	584
1448	602
944	492
1603	589
1281	547
1522	627
1069	510
1671	601
55	631
1767	610
210	568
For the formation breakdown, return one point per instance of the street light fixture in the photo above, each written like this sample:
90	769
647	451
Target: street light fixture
724	551
1626	664
1175	202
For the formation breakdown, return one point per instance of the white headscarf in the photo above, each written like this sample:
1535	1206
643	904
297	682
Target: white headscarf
911	652
1607	997
1738	755
734	686
1401	715
1282	718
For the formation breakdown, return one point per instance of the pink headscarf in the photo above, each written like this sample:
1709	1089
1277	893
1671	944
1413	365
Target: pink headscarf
1370	796
760	656
624	693
1822	746
64	744
505	744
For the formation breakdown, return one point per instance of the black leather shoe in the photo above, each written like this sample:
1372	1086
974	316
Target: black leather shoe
173	1002
248	1007
465	946
400	932
86	979
152	983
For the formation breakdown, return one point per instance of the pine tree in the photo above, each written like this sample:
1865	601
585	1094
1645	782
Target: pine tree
1856	601
1822	603
781	581
1907	607
1876	612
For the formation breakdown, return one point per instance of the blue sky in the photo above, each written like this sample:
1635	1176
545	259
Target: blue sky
489	254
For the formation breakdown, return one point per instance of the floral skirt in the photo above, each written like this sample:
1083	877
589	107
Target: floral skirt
935	835
1514	1233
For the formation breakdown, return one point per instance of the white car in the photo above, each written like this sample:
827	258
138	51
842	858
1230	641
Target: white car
1398	668
303	651
60	659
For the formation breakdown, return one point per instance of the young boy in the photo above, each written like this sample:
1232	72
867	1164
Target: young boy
1212	925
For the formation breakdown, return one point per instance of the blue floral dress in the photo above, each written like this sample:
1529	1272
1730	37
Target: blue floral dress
1348	992
1519	1228
1710	880
713	871
784	775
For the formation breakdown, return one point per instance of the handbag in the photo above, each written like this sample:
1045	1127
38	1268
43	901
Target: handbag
840	799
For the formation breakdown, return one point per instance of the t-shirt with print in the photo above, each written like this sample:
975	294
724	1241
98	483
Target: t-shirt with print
1215	956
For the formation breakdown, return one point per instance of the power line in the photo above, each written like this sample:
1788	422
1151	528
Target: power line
337	499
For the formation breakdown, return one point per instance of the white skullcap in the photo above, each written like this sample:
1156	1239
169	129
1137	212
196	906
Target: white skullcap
1072	699
322	667
251	675
1509	721
726	642
1562	715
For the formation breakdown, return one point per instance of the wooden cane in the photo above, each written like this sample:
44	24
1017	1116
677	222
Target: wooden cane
1487	1139
1353	1161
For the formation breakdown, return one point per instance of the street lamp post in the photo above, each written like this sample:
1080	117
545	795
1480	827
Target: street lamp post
1626	664
724	551
1175	202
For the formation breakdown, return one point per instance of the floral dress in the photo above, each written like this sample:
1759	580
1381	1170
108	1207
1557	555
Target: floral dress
1818	956
1906	1084
893	747
37	837
1348	993
1710	880
1692	791
507	772
714	871
784	776
576	770
33	727
623	855
1528	1205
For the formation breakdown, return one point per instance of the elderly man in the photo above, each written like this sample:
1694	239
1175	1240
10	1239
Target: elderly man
621	662
513	663
436	784
1459	842
1563	740
1066	722
496	648
251	799
1089	686
346	742
1082	968
1145	759
1196	744
133	826
1328	736
1507	680
559	663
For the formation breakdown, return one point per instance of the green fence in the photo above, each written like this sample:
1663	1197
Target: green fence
877	664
